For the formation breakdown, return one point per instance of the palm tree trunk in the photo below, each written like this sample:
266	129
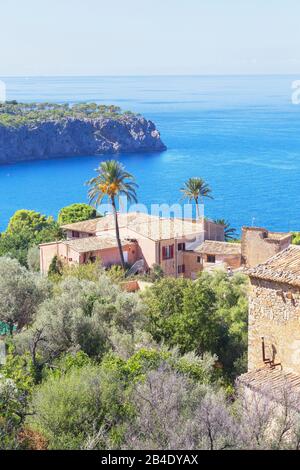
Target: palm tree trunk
197	208
118	232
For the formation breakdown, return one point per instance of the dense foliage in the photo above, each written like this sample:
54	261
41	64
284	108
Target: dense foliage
16	114
76	213
207	315
27	229
91	366
296	238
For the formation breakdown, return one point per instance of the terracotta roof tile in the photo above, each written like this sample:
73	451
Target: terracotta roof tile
83	245
86	226
283	267
150	226
271	382
219	248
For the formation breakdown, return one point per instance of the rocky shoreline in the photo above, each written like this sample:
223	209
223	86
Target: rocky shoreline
73	136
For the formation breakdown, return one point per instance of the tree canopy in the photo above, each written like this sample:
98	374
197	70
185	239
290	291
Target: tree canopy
76	213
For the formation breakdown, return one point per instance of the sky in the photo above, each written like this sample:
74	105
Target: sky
153	37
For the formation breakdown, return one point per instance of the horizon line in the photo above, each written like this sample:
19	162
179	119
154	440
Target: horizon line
152	75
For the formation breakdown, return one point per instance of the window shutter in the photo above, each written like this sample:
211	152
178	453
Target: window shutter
172	251
164	252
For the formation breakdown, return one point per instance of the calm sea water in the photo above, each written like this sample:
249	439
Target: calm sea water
242	134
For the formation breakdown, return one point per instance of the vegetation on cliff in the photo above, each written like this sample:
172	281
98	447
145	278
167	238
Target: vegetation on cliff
16	114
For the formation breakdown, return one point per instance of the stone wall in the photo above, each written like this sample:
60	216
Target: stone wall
274	313
259	244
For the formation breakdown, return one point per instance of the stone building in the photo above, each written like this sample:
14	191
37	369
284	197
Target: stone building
258	245
274	322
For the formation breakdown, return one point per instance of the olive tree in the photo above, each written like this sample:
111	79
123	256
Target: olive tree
21	292
79	317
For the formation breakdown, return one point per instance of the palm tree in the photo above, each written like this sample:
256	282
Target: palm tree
196	189
112	181
229	232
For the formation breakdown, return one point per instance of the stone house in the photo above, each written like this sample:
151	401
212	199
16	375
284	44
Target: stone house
258	245
274	323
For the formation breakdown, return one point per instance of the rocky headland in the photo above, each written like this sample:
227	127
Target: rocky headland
43	131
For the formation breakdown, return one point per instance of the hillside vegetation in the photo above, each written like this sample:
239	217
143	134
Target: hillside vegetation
15	114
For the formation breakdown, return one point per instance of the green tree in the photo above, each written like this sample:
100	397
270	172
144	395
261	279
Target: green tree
296	238
79	316
27	219
27	229
164	303
207	315
21	292
196	189
231	312
76	213
112	181
16	245
70	408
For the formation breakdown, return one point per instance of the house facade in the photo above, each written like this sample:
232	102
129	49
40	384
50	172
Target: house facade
145	239
181	247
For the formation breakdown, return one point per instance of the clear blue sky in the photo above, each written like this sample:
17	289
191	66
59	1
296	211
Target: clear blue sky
136	37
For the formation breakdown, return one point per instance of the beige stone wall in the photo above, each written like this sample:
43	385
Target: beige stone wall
274	313
232	261
257	247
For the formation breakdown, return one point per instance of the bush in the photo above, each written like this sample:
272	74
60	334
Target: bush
33	258
68	409
207	315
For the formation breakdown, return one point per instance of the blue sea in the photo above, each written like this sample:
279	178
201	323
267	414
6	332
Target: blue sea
240	133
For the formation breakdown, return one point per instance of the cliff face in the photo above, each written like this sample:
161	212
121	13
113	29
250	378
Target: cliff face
74	136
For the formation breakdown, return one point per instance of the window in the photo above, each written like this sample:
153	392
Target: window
181	246
181	269
75	234
211	258
168	252
198	259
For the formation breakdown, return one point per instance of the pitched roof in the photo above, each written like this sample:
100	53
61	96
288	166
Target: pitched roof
164	229
219	248
83	245
86	226
272	382
283	267
269	236
149	226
